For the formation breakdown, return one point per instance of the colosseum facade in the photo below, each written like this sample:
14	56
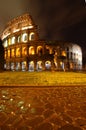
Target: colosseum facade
24	51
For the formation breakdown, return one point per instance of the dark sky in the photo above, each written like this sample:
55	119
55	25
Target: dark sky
63	20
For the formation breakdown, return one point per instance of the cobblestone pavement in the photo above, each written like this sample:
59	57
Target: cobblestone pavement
60	108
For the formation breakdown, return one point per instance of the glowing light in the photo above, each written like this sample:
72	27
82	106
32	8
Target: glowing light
19	39
24	66
31	50
12	52
13	40
48	65
22	107
18	52
24	51
8	53
25	37
11	99
28	27
63	53
16	30
9	41
5	35
31	37
31	66
29	105
5	44
39	49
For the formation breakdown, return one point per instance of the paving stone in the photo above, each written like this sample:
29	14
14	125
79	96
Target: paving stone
66	118
48	113
69	127
37	110
4	127
56	120
81	122
48	108
23	128
35	121
45	126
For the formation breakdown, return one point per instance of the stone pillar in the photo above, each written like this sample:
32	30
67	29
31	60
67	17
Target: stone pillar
35	49
20	51
43	48
52	66
27	66
9	66
14	66
15	52
35	64
20	66
27	50
43	65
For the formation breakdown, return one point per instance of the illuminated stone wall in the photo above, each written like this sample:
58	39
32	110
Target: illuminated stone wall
23	51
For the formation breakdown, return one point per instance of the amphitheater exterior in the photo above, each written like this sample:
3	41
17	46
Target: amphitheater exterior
24	51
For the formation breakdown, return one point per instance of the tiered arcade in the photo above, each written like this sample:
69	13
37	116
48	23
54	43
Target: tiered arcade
24	51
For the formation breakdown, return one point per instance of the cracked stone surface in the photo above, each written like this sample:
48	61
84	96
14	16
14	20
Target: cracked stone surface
56	108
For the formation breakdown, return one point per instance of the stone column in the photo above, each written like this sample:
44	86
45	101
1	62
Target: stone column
35	63
20	51
43	65
9	66
10	53
27	66
15	52
27	50
20	66
35	49
15	66
52	66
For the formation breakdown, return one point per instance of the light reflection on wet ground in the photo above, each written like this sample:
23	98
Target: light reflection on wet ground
61	108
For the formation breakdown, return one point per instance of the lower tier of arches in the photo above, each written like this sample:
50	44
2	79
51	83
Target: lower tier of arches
41	65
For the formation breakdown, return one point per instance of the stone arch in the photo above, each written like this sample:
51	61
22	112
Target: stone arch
24	37
9	41
23	63
31	50
12	52
24	51
48	65
19	39
48	49
13	40
31	66
5	43
39	65
32	36
62	65
18	52
8	53
39	50
12	66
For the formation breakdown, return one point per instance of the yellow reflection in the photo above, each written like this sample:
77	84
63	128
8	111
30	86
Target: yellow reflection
9	41
18	52
8	53
24	51
12	53
31	50
63	53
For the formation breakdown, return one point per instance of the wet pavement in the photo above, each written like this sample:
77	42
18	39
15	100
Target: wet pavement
56	108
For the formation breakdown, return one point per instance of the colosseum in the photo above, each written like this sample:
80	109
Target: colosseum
24	51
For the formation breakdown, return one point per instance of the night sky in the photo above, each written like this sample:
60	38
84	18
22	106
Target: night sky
63	20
